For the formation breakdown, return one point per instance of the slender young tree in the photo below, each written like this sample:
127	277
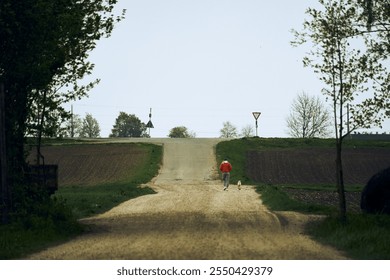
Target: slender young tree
353	78
308	117
228	130
247	131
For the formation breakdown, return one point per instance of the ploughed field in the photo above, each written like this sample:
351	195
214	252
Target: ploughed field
89	165
315	165
190	216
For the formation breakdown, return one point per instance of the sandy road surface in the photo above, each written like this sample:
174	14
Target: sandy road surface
191	217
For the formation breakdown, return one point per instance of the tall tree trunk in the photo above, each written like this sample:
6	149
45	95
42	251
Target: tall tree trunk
5	192
41	121
340	137
340	182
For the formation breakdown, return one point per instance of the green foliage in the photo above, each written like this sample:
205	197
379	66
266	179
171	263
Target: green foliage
44	50
88	201
37	220
377	18
364	237
355	80
180	132
41	220
128	125
277	200
236	151
90	128
340	56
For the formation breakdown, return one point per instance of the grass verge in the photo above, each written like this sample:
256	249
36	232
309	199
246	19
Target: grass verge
92	200
364	237
38	230
39	226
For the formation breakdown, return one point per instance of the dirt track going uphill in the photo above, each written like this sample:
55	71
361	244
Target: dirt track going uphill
191	217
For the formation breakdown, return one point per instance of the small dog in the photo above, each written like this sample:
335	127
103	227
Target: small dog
239	184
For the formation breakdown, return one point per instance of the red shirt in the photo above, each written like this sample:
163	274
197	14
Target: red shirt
225	167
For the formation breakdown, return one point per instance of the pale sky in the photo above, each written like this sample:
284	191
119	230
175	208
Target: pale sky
199	63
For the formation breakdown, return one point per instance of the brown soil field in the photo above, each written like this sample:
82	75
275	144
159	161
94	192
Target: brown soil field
315	165
192	217
88	165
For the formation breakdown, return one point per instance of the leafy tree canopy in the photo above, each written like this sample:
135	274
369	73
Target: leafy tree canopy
44	51
44	47
128	125
180	132
90	127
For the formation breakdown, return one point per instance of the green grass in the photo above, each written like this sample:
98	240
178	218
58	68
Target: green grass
86	201
56	220
47	223
319	187
277	200
363	237
236	150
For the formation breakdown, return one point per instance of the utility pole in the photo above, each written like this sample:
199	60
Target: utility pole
71	122
348	131
5	192
150	124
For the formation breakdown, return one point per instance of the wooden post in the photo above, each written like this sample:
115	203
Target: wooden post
5	193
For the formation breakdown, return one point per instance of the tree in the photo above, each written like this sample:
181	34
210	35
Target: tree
44	46
308	117
73	127
375	18
228	130
347	72
181	132
90	127
247	131
128	125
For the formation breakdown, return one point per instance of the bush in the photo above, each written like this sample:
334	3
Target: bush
36	220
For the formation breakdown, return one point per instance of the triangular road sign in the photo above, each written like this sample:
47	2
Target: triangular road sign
149	124
256	115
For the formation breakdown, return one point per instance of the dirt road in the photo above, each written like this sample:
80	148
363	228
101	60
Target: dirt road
191	217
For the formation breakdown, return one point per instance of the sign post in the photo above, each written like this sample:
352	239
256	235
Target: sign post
150	124
256	115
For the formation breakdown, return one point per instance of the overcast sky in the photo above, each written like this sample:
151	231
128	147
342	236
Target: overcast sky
199	63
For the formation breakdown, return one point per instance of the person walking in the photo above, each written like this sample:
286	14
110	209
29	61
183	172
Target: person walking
225	168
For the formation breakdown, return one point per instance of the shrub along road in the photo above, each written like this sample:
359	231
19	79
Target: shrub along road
191	217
